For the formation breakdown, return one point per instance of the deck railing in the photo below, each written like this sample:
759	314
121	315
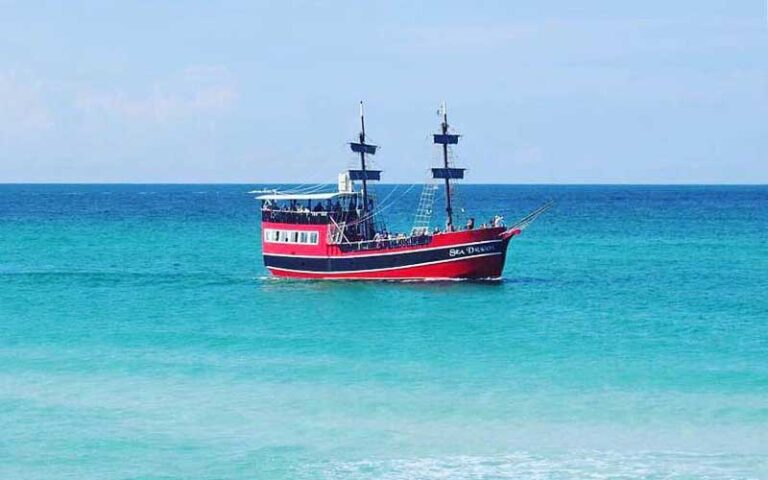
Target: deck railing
386	243
290	216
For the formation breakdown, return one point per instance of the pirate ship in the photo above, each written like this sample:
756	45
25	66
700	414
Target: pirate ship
341	234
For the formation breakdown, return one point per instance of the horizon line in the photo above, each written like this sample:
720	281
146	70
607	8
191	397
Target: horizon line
725	184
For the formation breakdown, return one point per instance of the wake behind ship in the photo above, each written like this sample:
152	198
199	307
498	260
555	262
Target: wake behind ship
342	235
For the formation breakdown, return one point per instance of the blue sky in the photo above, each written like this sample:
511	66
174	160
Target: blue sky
543	92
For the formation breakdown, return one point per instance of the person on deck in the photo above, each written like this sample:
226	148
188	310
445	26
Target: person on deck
470	224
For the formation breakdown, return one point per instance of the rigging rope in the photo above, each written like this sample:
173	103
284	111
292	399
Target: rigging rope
384	207
300	187
528	219
312	188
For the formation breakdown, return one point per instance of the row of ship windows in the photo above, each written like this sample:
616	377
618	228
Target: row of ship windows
290	236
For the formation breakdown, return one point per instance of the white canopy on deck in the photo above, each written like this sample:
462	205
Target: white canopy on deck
303	196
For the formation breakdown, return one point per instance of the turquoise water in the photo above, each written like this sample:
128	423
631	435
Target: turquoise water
140	337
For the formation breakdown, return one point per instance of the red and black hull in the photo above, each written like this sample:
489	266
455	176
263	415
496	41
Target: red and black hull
473	254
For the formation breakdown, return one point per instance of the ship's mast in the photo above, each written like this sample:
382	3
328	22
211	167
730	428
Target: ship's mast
448	208
447	172
362	167
364	174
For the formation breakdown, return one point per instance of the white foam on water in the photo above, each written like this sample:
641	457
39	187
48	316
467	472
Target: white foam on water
587	465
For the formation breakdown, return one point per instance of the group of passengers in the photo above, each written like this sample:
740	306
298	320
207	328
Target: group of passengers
350	209
357	227
386	239
495	222
384	235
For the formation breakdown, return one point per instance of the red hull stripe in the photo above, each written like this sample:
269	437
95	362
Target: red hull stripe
389	261
388	269
389	252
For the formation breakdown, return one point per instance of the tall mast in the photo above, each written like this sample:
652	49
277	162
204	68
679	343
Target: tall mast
362	166
364	174
448	208
447	172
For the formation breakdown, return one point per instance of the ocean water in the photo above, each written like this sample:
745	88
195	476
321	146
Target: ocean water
141	337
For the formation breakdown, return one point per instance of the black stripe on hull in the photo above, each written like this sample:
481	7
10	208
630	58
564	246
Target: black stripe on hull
379	262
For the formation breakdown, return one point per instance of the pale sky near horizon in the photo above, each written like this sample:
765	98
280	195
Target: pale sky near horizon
552	91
